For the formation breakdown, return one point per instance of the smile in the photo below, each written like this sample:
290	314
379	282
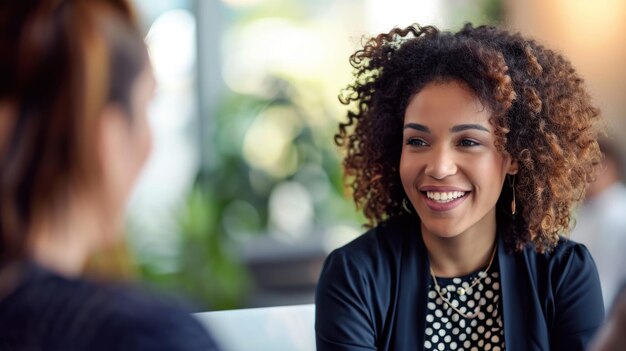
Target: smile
443	201
444	197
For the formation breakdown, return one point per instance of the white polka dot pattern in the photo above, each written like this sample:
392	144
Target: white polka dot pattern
447	330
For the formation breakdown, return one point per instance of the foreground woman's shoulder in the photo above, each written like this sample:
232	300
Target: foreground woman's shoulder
49	311
149	321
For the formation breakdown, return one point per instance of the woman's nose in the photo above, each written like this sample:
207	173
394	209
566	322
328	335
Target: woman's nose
440	163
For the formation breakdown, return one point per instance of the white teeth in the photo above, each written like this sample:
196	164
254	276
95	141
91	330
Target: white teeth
444	197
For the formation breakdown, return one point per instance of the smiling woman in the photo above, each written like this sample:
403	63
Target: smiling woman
449	165
467	152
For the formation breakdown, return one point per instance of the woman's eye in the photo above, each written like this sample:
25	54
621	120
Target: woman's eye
416	142
468	142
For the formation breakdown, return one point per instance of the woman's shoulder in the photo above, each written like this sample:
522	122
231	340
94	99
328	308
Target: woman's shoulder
387	240
566	282
375	255
569	264
565	256
60	312
147	320
153	320
565	250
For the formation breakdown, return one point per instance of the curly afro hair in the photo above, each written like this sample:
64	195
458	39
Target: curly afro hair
541	113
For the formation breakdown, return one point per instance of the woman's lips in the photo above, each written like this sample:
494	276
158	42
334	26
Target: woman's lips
441	206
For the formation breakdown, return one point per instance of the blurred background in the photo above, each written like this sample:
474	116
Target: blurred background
243	198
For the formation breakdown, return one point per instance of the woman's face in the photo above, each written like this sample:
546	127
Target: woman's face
140	135
127	142
450	168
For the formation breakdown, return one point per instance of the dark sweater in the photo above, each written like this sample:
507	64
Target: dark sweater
46	311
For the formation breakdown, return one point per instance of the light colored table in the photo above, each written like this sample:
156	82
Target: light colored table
289	328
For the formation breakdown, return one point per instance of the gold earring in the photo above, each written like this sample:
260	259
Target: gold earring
405	206
512	185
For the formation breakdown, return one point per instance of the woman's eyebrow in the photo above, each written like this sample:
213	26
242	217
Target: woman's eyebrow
455	129
463	127
417	126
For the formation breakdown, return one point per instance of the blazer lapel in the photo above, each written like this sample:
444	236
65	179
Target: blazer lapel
413	296
514	313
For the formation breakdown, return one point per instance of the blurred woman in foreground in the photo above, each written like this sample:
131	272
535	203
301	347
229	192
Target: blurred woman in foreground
75	88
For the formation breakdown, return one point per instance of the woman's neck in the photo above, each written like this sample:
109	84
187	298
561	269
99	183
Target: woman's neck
62	253
63	243
462	254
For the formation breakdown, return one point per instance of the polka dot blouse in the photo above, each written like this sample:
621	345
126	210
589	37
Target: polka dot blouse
446	329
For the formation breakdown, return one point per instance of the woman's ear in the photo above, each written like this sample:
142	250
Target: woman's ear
111	135
115	149
123	147
113	128
513	167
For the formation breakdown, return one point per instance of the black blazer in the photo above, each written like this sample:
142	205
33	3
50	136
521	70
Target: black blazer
372	294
